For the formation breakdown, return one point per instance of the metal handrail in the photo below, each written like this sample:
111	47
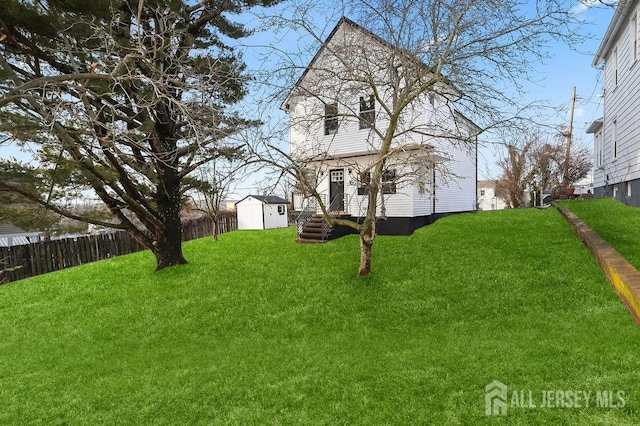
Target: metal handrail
306	214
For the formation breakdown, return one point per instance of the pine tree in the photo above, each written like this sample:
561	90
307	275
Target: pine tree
122	97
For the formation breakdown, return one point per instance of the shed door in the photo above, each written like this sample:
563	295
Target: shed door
336	190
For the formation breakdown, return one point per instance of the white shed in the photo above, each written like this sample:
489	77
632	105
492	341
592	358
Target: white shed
262	212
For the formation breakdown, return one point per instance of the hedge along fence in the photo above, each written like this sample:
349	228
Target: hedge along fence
25	261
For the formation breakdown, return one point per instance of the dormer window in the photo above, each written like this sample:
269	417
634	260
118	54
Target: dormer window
367	112
331	118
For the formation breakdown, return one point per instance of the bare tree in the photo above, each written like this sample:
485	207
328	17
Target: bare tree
214	183
465	58
128	97
516	173
534	163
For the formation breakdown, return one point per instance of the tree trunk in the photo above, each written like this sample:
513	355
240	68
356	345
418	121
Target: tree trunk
168	249
168	243
214	224
366	242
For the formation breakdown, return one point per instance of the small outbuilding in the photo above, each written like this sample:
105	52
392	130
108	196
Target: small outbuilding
11	235
262	212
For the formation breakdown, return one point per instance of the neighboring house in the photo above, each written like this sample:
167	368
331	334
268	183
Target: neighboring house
487	198
617	134
262	212
11	235
331	124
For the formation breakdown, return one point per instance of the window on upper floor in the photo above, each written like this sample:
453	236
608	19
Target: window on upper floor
614	61
331	118
633	37
482	192
367	112
432	99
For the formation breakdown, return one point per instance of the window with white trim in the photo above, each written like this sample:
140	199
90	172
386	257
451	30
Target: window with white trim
363	183
633	37
614	138
614	62
331	118
389	181
367	112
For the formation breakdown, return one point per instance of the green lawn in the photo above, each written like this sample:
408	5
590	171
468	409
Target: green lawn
260	330
616	222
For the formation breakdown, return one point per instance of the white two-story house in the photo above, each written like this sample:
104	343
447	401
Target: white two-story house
339	111
617	133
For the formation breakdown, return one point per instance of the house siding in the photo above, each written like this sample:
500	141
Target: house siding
621	126
349	147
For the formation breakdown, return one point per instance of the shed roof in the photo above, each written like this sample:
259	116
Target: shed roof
7	228
267	199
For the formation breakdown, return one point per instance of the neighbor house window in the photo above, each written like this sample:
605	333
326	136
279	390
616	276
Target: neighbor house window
363	183
614	138
330	119
598	148
633	36
367	112
614	58
389	181
482	192
432	99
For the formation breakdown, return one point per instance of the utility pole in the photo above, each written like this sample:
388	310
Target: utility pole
569	135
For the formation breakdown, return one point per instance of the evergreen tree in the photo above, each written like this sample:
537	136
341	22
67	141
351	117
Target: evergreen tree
122	97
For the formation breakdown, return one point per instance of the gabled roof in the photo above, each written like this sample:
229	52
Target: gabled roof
486	184
615	26
343	21
266	199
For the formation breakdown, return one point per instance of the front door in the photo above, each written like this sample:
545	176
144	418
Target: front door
336	190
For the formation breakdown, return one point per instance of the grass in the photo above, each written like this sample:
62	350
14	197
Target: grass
616	222
259	330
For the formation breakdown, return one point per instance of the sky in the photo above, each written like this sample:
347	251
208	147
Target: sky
556	77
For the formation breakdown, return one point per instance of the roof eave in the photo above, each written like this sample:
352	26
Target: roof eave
619	17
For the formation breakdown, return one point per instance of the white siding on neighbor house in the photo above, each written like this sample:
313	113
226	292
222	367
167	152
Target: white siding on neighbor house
272	218
621	111
487	199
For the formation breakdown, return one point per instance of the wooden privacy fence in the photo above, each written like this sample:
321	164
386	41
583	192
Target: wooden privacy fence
25	261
